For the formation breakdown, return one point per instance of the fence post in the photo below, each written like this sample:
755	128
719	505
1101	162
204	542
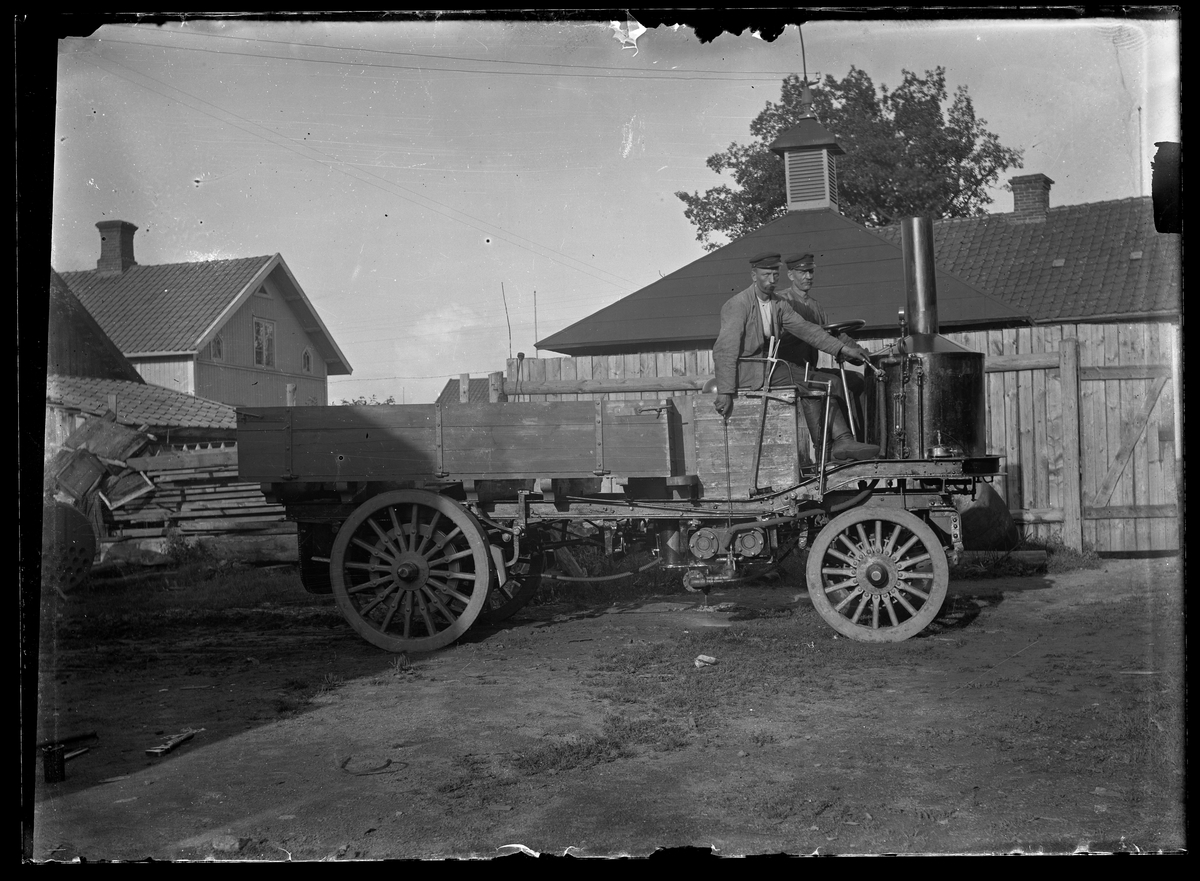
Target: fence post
1068	365
496	387
291	394
464	388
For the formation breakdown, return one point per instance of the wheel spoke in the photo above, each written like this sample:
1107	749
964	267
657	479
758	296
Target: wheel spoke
369	567
875	612
899	554
899	597
396	530
387	619
429	531
849	597
841	585
905	564
878	534
891	542
414	528
445	588
459	576
833	552
442	561
863	541
440	543
425	614
837	570
858	611
437	602
373	550
850	546
366	610
887	604
368	585
913	590
386	540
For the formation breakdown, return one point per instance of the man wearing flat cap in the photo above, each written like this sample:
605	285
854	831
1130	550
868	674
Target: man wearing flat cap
749	321
801	269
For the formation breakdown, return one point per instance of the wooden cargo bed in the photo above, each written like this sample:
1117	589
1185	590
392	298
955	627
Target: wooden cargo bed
555	439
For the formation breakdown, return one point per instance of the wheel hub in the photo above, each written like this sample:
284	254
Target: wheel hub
877	575
411	571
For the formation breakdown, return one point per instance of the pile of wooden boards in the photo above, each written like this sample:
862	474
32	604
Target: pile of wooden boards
137	495
200	495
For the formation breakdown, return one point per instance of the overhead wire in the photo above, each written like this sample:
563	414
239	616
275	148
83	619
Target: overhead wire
562	70
335	164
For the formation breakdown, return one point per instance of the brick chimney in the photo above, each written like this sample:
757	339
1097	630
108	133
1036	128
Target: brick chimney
1031	196
116	247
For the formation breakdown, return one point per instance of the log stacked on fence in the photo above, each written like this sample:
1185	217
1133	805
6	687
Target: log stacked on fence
200	495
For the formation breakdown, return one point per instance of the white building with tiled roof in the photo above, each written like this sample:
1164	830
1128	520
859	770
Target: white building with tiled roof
240	331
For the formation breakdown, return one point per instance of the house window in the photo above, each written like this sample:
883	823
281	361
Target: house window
306	361
264	343
216	348
263	292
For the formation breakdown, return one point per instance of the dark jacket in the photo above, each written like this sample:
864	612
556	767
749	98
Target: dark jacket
797	351
742	336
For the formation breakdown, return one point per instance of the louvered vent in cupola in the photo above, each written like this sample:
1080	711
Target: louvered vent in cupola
805	177
811	180
809	164
832	178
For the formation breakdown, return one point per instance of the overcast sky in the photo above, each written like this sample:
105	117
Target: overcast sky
432	185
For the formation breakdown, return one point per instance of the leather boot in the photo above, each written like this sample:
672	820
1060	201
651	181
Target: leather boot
842	445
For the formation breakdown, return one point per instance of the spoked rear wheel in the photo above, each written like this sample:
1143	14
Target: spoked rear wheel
877	574
411	570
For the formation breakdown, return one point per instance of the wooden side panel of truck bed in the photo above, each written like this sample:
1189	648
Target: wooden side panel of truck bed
460	441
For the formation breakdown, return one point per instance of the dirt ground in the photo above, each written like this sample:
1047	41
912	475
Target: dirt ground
1039	714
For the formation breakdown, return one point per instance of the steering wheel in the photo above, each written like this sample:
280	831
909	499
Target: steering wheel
845	326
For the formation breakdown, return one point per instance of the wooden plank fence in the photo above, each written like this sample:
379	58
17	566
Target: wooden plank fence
1087	416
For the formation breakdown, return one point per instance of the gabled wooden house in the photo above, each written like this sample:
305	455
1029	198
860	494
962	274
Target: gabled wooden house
241	331
141	461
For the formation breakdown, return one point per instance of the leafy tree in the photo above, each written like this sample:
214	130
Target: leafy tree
907	153
364	401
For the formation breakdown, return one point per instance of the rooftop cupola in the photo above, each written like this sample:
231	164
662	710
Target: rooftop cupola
809	154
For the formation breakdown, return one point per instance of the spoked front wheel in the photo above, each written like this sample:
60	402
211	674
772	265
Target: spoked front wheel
411	570
877	574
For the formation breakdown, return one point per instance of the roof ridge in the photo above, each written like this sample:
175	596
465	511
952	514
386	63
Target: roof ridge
180	263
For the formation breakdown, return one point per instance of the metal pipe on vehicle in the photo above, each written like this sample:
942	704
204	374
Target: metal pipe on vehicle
920	288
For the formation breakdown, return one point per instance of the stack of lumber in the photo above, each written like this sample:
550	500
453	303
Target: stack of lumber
200	495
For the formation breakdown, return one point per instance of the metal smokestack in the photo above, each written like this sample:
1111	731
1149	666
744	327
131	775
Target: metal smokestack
916	245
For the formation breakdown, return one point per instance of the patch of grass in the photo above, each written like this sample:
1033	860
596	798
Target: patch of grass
180	551
329	684
1063	559
192	596
194	585
992	564
619	737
